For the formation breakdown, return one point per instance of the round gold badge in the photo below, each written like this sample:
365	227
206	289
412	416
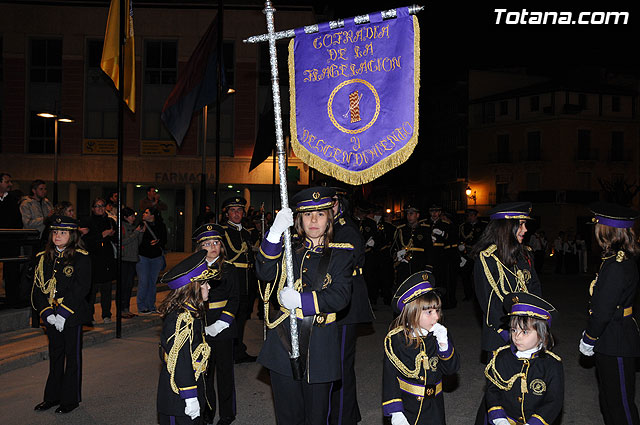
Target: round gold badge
68	271
538	386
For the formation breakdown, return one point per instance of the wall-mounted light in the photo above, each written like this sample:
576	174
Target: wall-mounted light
471	194
388	210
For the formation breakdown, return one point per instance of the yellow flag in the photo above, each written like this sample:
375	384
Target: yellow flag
110	59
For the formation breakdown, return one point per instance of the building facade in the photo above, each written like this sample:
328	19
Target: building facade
51	62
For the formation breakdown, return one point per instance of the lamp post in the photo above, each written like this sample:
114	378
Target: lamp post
57	118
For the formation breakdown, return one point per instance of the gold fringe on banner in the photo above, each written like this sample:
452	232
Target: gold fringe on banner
381	167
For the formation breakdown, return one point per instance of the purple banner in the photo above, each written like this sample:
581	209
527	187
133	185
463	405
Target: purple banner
354	91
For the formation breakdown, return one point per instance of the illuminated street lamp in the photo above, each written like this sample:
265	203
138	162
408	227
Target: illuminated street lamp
57	118
471	194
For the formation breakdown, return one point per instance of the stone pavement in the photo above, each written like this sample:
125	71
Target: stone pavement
120	375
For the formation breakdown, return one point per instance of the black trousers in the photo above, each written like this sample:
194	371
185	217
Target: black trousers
242	315
128	273
65	365
178	420
466	275
344	402
220	369
617	388
299	403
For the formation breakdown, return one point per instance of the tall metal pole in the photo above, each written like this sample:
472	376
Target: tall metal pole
55	161
218	101
284	197
120	156
203	176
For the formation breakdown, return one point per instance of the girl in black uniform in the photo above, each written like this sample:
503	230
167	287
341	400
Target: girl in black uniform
322	273
502	265
220	329
183	351
418	352
61	283
612	332
525	380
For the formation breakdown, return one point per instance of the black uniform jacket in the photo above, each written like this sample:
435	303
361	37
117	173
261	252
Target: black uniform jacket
169	402
72	284
358	310
323	354
536	401
223	300
611	323
417	241
442	244
410	390
493	280
237	245
470	233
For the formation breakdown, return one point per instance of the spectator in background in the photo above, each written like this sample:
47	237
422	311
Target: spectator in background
100	242
581	246
131	238
36	207
113	198
207	217
111	210
570	255
558	251
538	244
152	200
10	218
151	253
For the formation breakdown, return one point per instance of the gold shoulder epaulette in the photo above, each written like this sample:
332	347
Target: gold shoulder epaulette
490	250
401	226
446	220
425	224
228	262
40	253
82	251
344	245
620	256
554	355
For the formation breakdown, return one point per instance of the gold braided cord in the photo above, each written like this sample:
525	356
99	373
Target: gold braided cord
243	248
199	357
383	166
420	359
494	376
501	289
268	291
49	287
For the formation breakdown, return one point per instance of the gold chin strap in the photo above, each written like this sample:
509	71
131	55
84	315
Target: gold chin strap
199	356
206	275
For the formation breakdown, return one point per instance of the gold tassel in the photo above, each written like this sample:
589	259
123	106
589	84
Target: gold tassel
523	384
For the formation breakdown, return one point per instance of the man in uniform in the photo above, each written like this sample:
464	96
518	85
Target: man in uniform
411	245
470	232
344	402
237	244
443	253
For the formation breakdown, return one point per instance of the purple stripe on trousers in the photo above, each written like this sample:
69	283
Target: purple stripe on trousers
344	337
79	358
623	391
330	398
172	420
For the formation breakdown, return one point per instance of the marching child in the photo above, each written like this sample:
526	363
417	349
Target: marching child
418	352
183	350
525	380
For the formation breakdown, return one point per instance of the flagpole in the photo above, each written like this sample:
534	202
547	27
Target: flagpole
284	198
203	175
121	38
310	29
218	101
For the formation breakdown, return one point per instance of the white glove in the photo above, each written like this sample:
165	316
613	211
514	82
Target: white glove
461	247
215	328
433	239
283	220
500	421
52	319
463	261
192	408
398	418
585	348
440	332
370	242
60	322
437	232
400	255
290	298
